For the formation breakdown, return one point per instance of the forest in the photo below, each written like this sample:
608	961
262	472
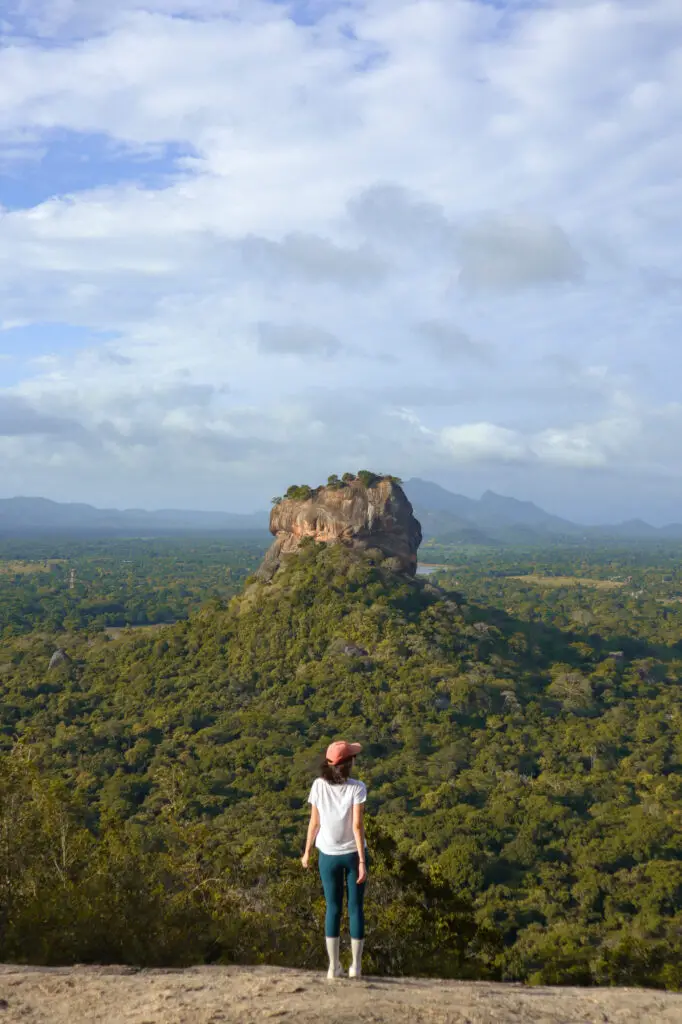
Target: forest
520	714
70	584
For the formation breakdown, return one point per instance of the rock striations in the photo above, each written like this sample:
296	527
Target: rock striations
363	512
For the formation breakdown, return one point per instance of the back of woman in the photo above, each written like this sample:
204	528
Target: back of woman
335	803
337	829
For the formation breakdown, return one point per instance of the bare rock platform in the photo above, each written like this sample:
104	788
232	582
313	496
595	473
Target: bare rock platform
223	995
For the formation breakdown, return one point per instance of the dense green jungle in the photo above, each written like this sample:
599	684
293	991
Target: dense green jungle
521	718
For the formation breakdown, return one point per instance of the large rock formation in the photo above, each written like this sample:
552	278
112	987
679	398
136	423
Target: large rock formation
354	513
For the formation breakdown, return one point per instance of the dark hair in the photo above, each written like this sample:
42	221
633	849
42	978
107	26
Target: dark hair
336	774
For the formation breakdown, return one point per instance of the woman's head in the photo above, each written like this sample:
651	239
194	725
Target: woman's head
338	761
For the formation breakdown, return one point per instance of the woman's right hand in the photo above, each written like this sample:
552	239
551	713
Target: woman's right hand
362	873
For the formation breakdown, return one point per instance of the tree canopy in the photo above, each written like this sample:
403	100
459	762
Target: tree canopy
521	746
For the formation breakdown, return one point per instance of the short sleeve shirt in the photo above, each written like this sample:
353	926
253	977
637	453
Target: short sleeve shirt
335	805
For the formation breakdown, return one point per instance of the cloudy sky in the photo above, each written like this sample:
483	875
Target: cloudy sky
245	243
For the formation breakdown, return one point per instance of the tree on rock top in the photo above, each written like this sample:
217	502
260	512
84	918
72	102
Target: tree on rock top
367	478
299	492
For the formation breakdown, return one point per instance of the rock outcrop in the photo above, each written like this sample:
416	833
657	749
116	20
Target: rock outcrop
363	516
235	995
60	657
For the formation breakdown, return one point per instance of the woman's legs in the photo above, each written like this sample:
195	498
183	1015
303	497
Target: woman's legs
356	913
332	870
336	873
356	898
332	875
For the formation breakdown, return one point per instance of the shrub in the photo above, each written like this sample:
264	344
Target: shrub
300	492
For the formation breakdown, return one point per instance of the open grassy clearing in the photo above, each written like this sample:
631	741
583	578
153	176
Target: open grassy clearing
569	581
116	632
19	568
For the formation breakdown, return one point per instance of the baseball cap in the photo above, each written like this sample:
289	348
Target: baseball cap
341	751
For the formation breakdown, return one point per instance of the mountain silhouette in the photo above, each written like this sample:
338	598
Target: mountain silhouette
491	519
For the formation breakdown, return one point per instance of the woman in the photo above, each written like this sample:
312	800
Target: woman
337	829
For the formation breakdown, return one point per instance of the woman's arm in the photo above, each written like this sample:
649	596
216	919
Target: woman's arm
359	833
313	829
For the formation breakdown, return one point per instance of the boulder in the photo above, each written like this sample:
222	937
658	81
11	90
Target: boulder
345	647
60	657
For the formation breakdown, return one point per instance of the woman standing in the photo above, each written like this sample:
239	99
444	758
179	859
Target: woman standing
337	829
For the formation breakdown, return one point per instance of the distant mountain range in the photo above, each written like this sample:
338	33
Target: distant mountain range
495	519
492	519
39	515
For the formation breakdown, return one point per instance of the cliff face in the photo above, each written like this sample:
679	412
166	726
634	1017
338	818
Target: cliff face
362	517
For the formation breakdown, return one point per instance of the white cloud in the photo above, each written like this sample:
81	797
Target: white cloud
426	184
402	219
315	259
589	445
448	341
473	442
297	339
623	440
513	252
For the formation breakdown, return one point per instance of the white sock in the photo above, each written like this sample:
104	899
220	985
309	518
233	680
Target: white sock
356	967
333	953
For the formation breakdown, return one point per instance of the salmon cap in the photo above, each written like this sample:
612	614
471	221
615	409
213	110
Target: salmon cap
342	751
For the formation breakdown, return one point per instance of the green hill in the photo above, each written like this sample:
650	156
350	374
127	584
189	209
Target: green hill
524	786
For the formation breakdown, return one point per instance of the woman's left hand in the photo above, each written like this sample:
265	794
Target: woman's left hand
305	860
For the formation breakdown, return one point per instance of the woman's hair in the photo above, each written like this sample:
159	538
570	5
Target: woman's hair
336	774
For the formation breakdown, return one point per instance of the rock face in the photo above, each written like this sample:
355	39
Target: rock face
60	657
362	517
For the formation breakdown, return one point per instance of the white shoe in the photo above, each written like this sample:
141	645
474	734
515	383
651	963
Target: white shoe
335	972
357	946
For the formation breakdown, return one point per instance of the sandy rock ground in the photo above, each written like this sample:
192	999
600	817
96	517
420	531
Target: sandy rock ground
222	995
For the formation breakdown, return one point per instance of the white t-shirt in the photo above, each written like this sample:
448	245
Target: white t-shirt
335	804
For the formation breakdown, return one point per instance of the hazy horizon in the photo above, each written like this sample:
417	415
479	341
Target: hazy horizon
247	244
264	507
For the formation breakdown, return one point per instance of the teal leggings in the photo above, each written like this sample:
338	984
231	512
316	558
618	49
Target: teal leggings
340	872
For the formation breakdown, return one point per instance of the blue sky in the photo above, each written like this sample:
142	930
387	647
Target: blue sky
247	243
70	162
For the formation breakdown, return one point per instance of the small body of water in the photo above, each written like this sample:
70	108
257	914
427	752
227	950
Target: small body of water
426	568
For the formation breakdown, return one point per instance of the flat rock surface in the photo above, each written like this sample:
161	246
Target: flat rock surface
216	995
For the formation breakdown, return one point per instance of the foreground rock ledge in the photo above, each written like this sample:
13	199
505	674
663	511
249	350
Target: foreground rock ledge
215	995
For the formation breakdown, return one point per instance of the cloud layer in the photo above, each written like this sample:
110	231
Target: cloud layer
435	237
